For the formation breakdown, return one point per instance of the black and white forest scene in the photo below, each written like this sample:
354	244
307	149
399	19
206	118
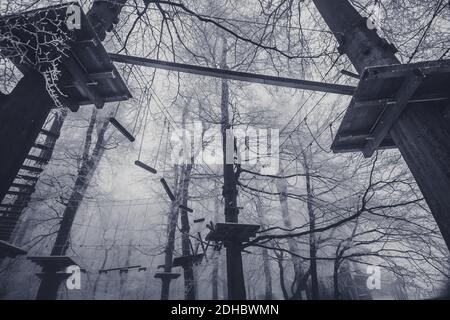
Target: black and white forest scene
225	150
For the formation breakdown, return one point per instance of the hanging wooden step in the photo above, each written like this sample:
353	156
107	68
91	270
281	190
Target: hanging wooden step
39	160
167	188
199	220
185	208
145	167
122	129
32	169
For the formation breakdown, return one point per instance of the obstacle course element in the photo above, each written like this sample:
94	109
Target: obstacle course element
52	263
122	129
88	75
9	250
167	275
167	189
229	231
382	95
145	167
182	207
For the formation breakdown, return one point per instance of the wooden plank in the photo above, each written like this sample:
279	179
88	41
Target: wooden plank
415	99
401	70
145	167
235	75
102	75
185	208
167	189
80	80
393	112
122	129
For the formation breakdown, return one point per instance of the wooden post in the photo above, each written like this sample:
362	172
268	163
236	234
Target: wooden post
422	132
235	272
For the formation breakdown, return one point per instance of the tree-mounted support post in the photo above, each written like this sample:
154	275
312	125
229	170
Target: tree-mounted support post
421	130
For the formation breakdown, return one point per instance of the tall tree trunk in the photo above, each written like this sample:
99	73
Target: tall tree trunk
48	287
188	268
292	244
124	274
265	254
171	229
216	258
312	226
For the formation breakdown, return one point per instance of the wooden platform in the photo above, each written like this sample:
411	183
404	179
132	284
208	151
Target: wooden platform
184	260
88	75
53	263
232	231
9	250
382	95
167	275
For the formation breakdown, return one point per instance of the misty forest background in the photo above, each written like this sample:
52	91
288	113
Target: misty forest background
367	211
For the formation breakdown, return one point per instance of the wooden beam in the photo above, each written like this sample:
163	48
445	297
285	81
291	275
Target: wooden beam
80	80
392	112
235	75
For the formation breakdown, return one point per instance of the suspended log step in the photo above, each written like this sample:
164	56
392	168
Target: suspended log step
145	167
32	169
199	220
122	129
185	208
167	188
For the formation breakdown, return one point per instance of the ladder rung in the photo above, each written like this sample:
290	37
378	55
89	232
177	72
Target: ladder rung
18	193
50	134
28	178
38	159
15	213
9	206
22	186
32	169
4	215
42	147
